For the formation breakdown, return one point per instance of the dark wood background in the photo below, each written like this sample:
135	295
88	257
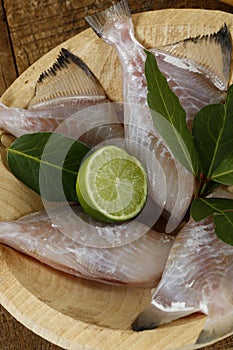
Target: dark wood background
29	29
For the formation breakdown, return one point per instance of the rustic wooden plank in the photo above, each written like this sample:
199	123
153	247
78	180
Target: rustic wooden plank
38	26
230	2
7	67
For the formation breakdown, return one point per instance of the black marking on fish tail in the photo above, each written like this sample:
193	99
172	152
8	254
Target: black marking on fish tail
111	14
63	60
148	319
137	326
222	37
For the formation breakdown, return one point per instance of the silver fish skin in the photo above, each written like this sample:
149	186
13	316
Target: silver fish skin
115	27
66	88
139	263
198	277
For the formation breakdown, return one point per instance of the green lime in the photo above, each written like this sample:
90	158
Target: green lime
111	185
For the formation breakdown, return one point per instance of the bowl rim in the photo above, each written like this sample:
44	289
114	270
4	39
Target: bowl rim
14	297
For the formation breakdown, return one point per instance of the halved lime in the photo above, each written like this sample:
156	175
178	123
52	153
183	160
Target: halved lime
111	185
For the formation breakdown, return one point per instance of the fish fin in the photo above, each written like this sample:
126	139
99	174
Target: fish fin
212	51
68	76
219	322
216	329
153	316
116	13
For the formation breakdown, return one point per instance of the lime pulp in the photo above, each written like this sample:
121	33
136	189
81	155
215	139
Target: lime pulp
111	185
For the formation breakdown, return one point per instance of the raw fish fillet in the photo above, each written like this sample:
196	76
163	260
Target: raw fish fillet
138	263
198	277
95	125
115	26
67	87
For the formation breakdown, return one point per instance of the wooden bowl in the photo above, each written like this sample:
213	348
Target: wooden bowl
71	312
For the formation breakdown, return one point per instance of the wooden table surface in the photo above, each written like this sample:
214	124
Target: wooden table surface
29	29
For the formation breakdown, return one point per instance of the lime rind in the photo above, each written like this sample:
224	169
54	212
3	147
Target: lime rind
112	185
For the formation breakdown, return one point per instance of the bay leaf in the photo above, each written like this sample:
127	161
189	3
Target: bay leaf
169	117
224	172
224	227
47	162
213	133
202	208
208	187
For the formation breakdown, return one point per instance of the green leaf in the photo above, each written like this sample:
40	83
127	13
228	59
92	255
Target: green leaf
48	163
213	133
169	117
201	208
222	211
208	188
224	172
224	227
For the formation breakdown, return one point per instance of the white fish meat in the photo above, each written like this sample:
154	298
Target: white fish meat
114	254
197	69
18	121
198	277
186	78
115	26
138	263
67	87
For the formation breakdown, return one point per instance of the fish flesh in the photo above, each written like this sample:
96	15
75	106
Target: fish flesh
62	93
64	89
195	78
108	253
195	85
198	277
63	245
178	64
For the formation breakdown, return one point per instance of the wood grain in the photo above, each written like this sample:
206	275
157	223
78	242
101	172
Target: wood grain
33	27
230	2
8	70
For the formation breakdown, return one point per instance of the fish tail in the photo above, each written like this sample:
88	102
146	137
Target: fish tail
210	53
109	23
63	60
152	317
68	76
219	322
216	328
